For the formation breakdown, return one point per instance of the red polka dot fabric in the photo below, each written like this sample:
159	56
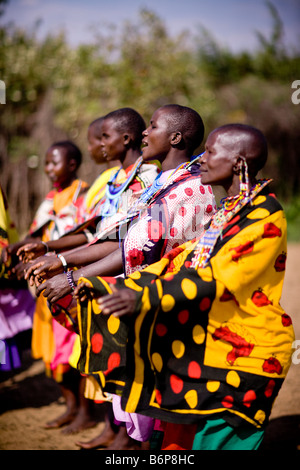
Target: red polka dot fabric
202	342
178	214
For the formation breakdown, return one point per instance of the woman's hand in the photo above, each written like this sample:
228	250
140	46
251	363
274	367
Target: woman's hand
31	251
120	303
54	288
43	268
84	291
18	270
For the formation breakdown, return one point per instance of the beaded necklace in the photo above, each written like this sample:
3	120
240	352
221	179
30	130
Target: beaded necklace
229	206
113	191
150	193
152	189
149	196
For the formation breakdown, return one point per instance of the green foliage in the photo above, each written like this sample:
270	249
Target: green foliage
292	212
272	61
55	91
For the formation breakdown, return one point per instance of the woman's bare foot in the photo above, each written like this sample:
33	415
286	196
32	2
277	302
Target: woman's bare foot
79	423
103	440
62	420
124	442
71	409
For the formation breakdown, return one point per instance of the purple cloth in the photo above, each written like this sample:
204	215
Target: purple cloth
139	427
9	355
16	312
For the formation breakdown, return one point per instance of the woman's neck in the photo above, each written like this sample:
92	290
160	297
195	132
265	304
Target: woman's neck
130	158
113	163
173	161
234	189
65	184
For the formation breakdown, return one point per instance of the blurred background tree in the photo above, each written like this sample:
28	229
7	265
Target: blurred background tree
53	92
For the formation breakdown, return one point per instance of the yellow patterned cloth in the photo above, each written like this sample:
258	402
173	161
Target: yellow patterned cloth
94	195
8	231
56	214
211	341
97	223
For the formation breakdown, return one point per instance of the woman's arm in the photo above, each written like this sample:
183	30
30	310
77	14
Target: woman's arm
58	286
30	251
90	254
49	266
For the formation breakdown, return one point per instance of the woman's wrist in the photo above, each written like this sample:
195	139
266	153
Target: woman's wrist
63	262
45	246
71	280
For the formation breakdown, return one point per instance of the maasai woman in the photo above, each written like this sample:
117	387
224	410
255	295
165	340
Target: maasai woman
96	192
121	138
54	216
174	209
207	342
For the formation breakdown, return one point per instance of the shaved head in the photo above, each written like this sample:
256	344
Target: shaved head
248	142
186	121
96	126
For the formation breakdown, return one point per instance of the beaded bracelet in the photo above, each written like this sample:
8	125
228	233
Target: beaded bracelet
64	263
71	280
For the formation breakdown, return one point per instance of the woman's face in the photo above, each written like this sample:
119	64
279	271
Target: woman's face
218	160
156	138
58	167
112	141
95	146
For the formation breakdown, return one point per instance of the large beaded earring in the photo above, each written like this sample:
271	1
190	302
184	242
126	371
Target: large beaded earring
244	178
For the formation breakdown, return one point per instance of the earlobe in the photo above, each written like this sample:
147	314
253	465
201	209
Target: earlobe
236	168
126	139
176	138
72	165
238	165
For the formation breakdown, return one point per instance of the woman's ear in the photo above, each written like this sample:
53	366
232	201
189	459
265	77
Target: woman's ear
176	138
126	139
238	164
73	165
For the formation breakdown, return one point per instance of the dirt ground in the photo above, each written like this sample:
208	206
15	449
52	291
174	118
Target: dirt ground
28	399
